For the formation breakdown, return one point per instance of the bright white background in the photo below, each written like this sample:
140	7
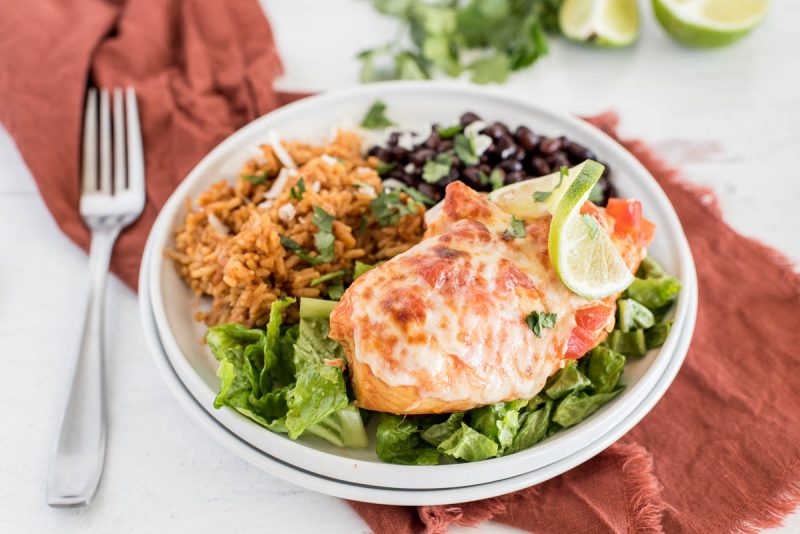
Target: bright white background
730	118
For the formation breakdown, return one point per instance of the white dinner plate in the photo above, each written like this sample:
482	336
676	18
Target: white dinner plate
382	495
410	104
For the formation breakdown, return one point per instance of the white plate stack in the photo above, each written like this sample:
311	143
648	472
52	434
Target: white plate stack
167	308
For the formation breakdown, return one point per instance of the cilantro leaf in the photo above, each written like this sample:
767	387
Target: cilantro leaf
375	119
437	168
335	291
325	277
450	131
517	228
294	246
538	320
464	147
493	69
420	197
323	239
591	224
297	191
255	178
541	196
385	168
496	179
442	51
388	208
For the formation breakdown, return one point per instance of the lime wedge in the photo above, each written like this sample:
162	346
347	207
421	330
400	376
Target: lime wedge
709	23
611	23
580	251
520	199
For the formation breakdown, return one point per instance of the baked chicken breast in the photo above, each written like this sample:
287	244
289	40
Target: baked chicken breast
441	328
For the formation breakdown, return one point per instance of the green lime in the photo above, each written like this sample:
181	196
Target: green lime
534	197
611	23
581	252
709	23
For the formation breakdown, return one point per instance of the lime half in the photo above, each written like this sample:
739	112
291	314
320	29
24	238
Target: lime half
610	23
709	23
535	197
580	251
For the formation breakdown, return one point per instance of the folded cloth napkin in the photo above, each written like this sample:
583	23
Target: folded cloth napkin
720	452
201	68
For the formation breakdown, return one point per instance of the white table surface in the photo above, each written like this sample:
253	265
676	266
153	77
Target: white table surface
730	118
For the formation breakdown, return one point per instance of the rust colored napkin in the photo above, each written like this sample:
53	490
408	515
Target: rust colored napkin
720	452
201	68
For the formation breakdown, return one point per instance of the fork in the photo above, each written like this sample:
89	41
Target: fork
108	204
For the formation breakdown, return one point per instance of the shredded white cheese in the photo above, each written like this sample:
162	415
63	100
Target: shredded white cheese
266	204
329	159
316	186
283	156
287	212
364	170
280	183
409	168
392	184
367	190
482	143
257	155
217	225
474	128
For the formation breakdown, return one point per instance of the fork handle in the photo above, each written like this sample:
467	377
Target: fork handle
77	462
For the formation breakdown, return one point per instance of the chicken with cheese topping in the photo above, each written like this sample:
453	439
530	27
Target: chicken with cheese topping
442	327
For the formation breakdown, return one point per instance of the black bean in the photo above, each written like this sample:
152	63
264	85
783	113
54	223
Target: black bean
433	141
514	177
539	166
515	153
486	169
394	137
526	138
429	190
558	160
419	156
399	154
471	177
445	145
502	143
451	177
468	118
578	152
550	145
511	165
383	154
495	131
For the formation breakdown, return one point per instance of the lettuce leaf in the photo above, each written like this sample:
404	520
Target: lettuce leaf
320	388
565	381
605	368
399	442
469	445
533	428
577	406
271	371
343	428
438	432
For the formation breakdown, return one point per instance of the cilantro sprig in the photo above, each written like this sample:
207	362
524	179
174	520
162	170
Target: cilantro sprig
376	118
517	228
323	239
509	33
388	208
537	320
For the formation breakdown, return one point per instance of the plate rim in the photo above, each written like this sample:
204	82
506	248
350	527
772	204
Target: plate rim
359	471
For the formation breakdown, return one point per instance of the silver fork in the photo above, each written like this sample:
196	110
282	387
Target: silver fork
108	204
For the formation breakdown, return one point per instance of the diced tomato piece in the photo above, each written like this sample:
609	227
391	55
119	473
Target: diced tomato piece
593	317
647	232
627	215
580	342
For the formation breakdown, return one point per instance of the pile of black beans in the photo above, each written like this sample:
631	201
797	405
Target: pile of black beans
517	155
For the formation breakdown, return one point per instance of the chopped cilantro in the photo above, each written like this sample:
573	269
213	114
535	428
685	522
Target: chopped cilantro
388	208
465	149
517	228
255	178
297	191
385	168
375	119
420	197
437	168
538	320
450	131
541	196
496	179
329	276
335	291
303	254
323	239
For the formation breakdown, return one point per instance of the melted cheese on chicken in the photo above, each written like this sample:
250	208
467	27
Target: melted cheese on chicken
441	327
